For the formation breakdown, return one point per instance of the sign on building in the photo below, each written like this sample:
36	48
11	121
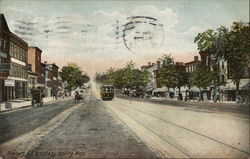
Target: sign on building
9	82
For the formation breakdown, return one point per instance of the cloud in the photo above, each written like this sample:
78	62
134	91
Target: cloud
18	10
194	30
92	42
166	16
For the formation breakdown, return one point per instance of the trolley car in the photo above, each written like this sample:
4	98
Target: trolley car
107	92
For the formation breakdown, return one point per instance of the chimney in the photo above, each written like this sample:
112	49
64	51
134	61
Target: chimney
45	62
196	58
153	63
158	63
149	63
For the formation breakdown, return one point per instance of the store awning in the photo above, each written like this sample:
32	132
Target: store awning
246	86
163	89
194	89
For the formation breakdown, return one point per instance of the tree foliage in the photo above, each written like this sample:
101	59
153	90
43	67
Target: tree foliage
167	76
231	44
126	77
236	48
201	78
167	59
73	75
206	41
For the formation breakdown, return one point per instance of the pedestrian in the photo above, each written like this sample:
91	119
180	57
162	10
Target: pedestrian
180	96
76	96
54	94
247	101
238	100
213	96
59	95
43	94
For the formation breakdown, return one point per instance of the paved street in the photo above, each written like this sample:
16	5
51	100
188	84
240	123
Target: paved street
121	129
18	122
91	130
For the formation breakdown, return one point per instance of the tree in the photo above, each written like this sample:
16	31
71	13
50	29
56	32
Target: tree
233	45
110	76
167	59
181	79
217	55
167	76
167	73
73	75
201	78
119	74
210	42
128	77
236	48
141	78
206	41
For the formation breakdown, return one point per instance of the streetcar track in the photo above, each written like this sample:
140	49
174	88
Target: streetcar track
189	130
153	133
161	137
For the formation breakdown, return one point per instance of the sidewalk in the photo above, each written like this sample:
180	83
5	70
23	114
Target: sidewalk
209	106
195	101
22	103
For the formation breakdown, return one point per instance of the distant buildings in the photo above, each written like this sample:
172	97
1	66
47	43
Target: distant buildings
54	75
48	80
192	65
226	91
21	68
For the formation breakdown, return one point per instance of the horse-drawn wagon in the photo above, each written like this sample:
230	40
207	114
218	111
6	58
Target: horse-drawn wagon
37	97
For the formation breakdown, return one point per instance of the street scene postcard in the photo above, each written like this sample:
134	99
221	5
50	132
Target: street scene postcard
124	79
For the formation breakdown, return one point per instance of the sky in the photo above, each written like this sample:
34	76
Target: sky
99	34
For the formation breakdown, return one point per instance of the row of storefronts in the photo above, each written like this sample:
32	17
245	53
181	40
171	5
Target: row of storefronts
21	68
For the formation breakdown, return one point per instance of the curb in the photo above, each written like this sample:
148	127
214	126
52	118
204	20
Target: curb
26	106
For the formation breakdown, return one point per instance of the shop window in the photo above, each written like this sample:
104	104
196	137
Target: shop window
21	55
18	54
14	53
1	44
10	50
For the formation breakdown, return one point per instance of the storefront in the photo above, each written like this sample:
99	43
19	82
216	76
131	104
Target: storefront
20	90
230	90
12	89
2	92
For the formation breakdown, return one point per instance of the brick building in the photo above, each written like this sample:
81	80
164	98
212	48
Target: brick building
13	62
54	77
192	65
180	66
34	59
